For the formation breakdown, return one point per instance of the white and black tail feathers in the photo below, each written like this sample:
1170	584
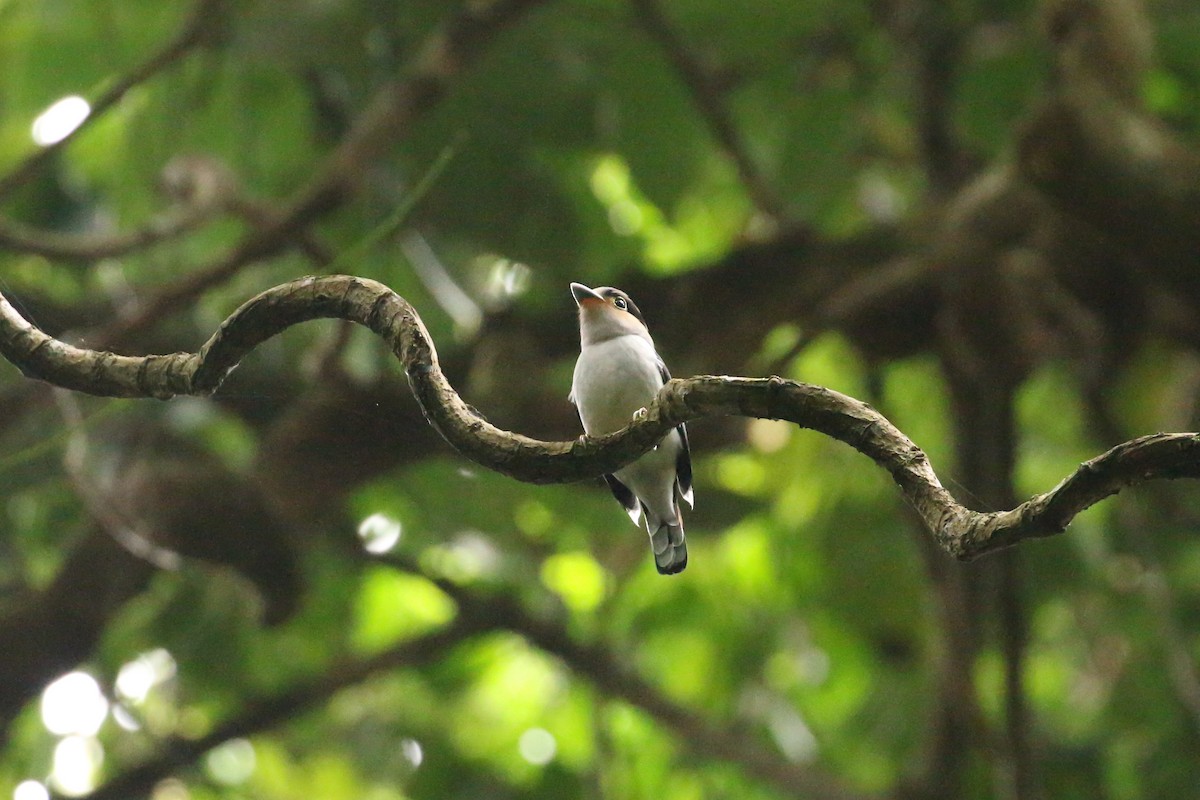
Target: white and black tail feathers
670	548
667	541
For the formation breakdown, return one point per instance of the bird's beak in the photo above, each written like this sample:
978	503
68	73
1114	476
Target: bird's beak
582	293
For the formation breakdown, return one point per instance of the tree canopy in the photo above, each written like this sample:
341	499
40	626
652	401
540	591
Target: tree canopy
982	219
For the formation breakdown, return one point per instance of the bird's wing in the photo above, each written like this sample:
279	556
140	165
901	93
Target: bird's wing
683	468
683	461
627	499
624	495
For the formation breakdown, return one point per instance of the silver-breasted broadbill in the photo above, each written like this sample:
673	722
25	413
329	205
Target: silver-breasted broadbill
618	374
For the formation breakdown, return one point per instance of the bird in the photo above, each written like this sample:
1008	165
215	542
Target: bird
618	374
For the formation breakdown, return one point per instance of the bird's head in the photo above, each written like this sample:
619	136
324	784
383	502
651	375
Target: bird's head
606	313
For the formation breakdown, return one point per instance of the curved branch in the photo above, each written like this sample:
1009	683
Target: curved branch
958	530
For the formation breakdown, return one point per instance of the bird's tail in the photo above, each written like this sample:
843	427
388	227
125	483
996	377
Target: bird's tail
670	549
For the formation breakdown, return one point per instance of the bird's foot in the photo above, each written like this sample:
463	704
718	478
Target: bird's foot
640	414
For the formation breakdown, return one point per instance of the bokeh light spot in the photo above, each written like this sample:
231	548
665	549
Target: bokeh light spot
60	119
537	746
379	533
74	704
170	789
77	762
30	790
136	678
231	763
413	751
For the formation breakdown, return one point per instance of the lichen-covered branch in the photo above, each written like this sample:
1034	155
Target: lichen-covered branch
958	530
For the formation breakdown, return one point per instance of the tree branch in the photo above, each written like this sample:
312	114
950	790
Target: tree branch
961	532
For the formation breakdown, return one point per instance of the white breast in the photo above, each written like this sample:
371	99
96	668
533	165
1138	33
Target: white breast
613	379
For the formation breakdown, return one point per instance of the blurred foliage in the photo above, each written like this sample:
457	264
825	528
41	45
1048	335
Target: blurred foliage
806	620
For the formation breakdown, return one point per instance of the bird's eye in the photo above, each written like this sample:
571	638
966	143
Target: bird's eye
620	303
